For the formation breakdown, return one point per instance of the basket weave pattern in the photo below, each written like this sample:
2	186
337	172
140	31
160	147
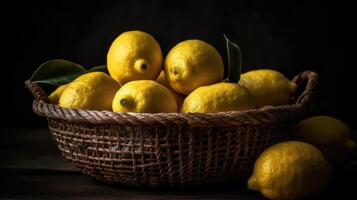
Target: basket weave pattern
170	149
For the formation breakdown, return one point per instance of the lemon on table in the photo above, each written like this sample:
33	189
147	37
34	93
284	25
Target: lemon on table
56	94
178	97
93	91
134	55
290	170
268	87
329	134
144	96
191	64
219	97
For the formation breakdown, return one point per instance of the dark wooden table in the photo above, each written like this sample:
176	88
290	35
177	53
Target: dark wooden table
31	167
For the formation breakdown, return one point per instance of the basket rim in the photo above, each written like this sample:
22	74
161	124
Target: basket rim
266	114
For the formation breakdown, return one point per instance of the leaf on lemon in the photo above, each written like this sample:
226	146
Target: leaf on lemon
57	72
234	60
100	68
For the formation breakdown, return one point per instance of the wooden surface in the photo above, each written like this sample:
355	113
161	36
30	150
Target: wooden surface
31	167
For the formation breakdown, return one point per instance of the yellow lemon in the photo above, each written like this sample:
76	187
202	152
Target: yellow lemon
178	97
268	87
290	170
144	96
134	55
93	91
56	94
191	64
329	134
219	97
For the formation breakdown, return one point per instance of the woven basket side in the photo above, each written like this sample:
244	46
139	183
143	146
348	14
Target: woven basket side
177	155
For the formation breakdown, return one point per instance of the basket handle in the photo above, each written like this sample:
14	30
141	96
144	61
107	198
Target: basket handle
37	91
311	80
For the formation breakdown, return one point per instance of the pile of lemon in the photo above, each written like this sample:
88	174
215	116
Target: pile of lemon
190	79
302	168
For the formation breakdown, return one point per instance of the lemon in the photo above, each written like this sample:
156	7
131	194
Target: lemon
268	87
191	64
162	79
144	96
290	170
134	55
329	134
93	91
178	97
219	97
56	94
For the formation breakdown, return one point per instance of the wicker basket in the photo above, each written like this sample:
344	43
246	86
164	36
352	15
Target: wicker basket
170	149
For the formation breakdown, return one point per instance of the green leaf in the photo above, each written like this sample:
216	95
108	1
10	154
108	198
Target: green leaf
100	68
234	61
57	72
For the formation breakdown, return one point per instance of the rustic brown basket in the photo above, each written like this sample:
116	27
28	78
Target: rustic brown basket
170	149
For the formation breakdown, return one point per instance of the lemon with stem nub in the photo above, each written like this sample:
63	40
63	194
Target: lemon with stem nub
290	170
330	135
268	87
93	91
134	55
144	96
219	97
191	64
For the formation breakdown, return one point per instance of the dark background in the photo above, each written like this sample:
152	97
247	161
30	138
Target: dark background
290	37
